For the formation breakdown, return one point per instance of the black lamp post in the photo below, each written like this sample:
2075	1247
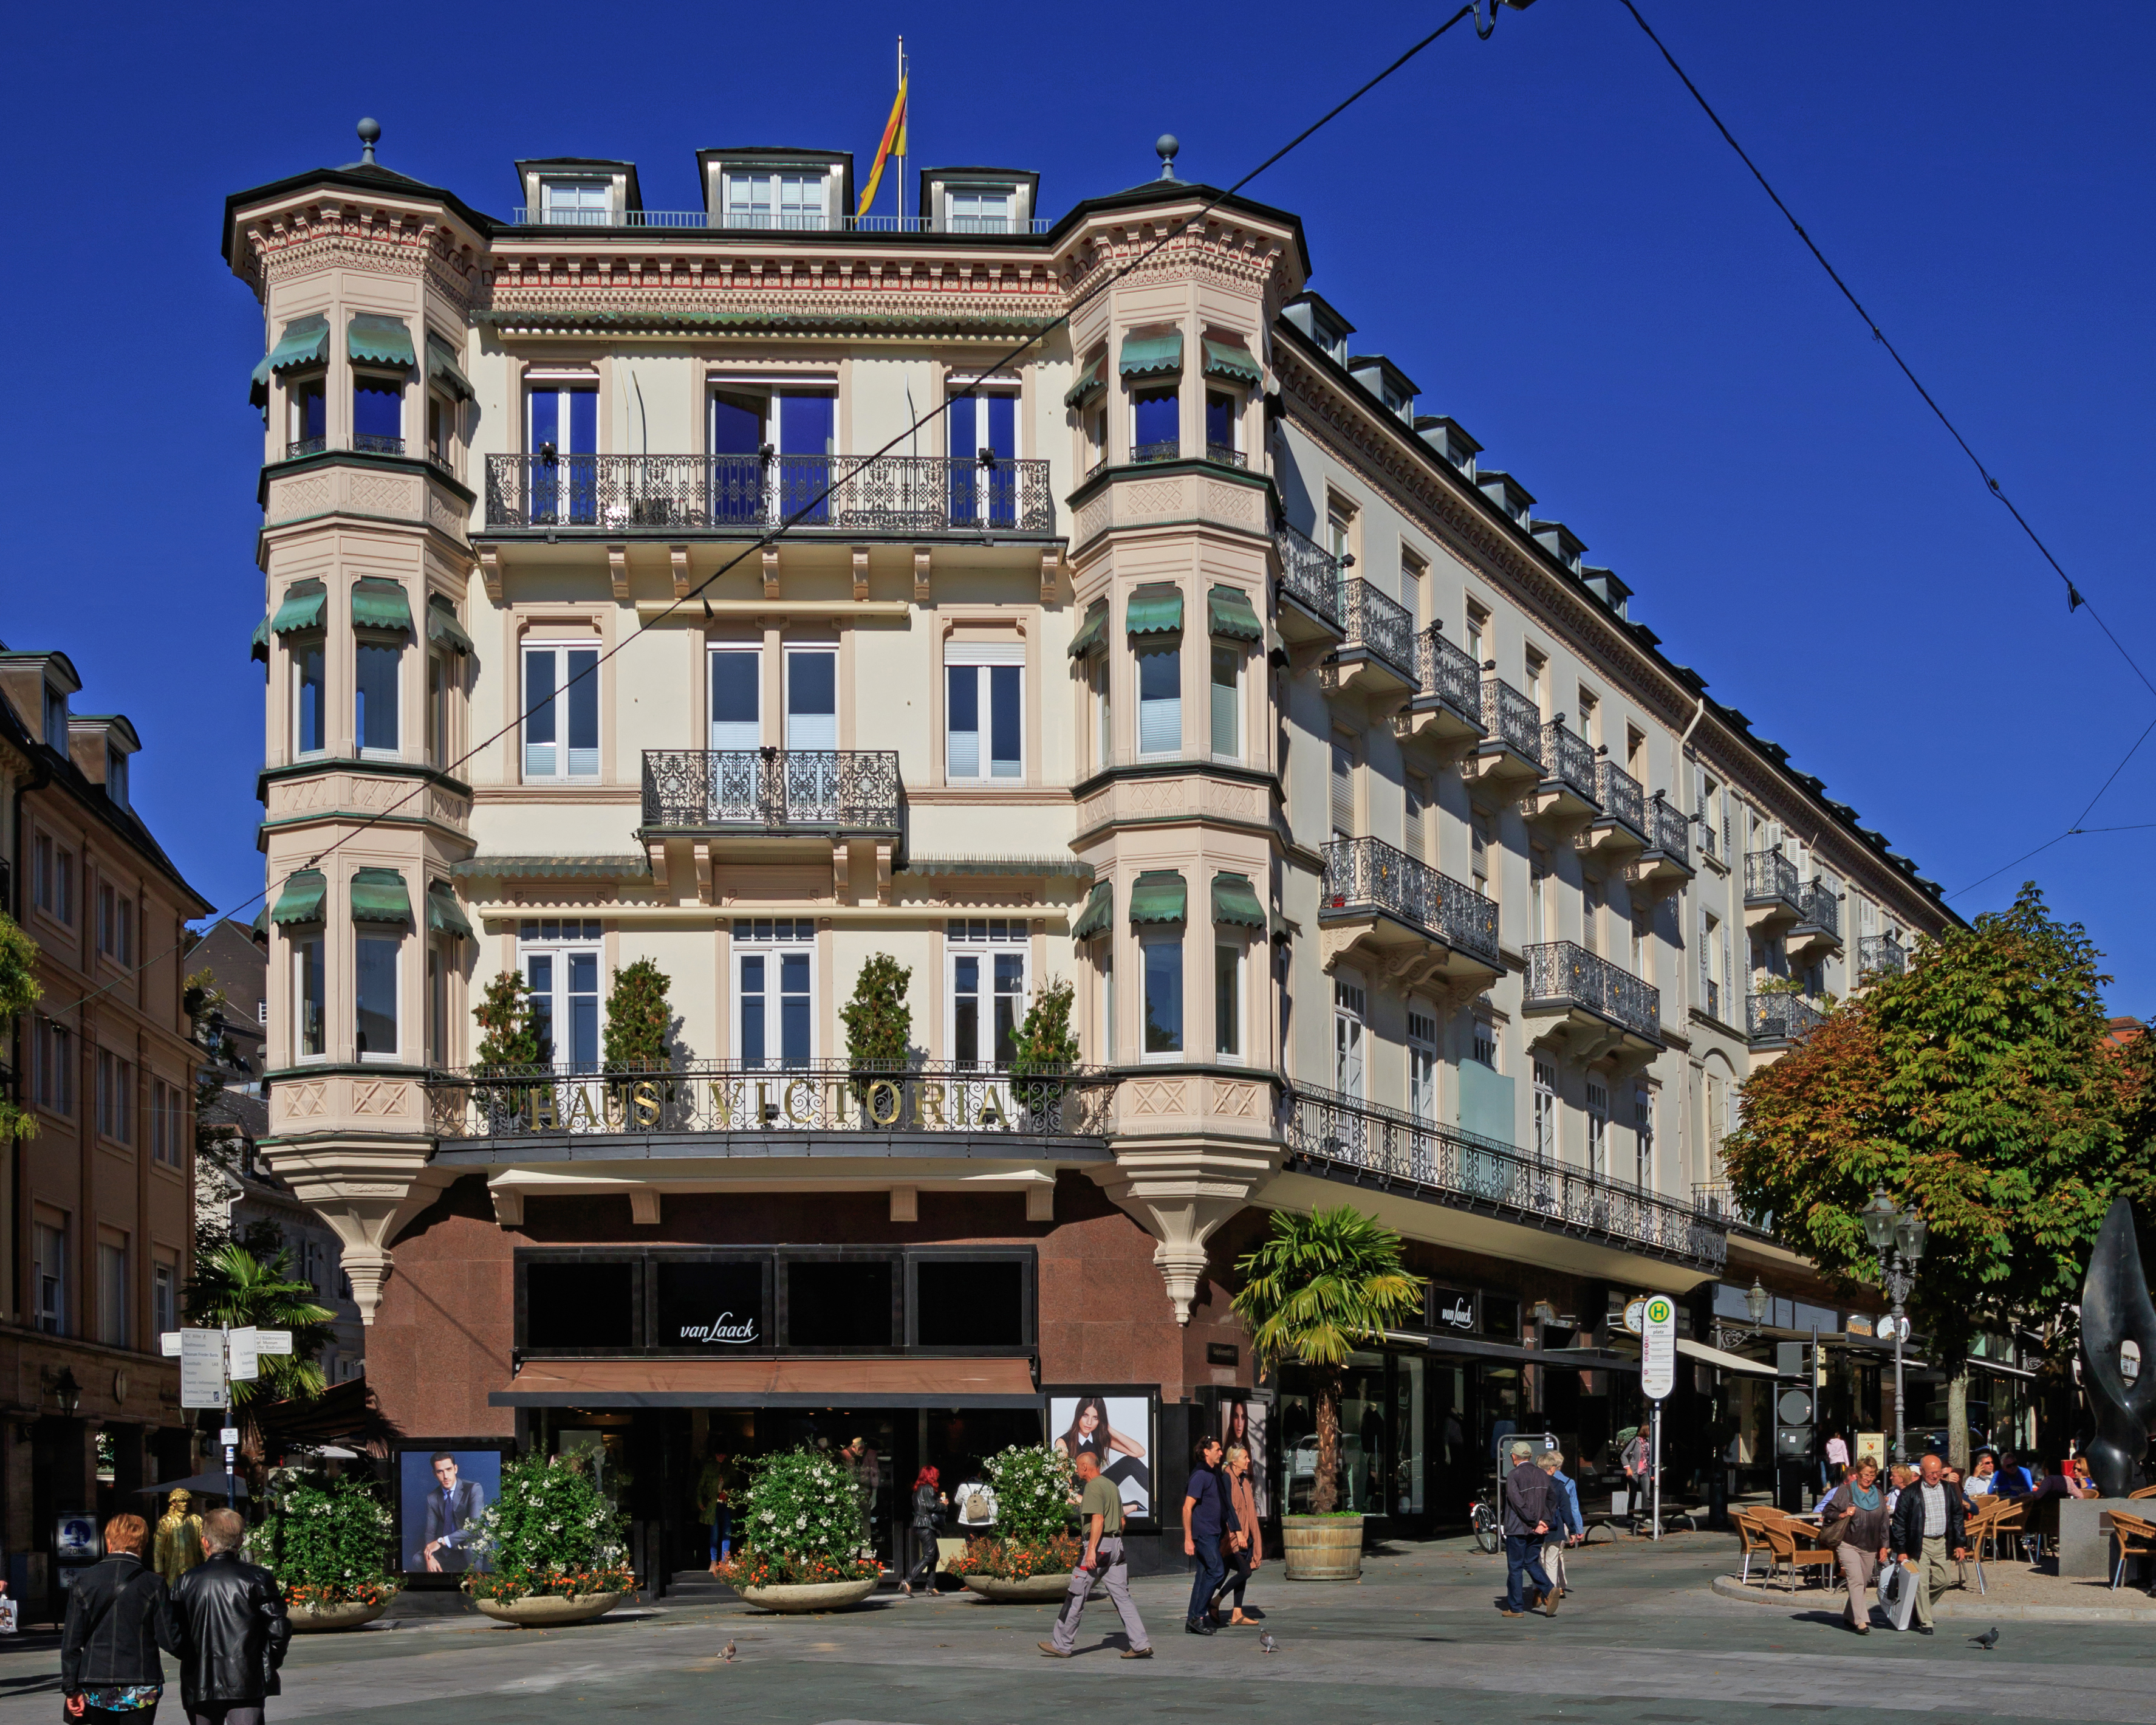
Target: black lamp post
1897	1237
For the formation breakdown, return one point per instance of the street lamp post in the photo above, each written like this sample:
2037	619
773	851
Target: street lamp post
1897	1237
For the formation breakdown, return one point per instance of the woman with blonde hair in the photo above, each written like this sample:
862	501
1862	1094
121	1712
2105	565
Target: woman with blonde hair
1859	1508
119	1614
1241	1543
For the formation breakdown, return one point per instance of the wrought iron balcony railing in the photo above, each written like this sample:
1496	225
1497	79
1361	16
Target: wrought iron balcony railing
772	221
892	494
1223	455
1449	673
1145	454
1879	955
1563	973
1706	833
1368	874
371	443
1620	796
703	1097
1822	909
772	790
1715	1199
1309	573
1671	833
1769	875
1780	1018
1511	718
305	446
1378	624
1569	758
1449	1167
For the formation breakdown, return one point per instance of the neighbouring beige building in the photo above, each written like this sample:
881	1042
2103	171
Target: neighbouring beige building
616	606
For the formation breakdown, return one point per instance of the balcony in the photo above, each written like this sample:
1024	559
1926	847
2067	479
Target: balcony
1817	931
771	790
1607	1008
1309	588
1715	1199
1510	755
1446	707
1780	1020
1377	654
1566	800
1666	864
1149	455
1226	455
1421	926
1773	897
1879	955
718	1108
1621	832
1339	1137
903	497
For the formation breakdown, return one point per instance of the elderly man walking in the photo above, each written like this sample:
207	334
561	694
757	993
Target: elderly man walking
1926	1526
233	1628
1528	1518
1101	1516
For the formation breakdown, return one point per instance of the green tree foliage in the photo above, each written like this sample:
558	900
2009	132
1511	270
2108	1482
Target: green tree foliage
1978	1085
804	1503
639	1019
20	990
1317	1288
233	1288
1044	1041
879	1023
1036	1493
509	1039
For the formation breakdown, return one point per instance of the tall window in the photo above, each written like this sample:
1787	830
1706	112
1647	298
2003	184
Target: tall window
988	964
561	712
164	1303
1340	530
984	723
438	1006
1422	1065
49	1277
736	722
1103	708
811	698
111	1294
562	429
1484	1048
54	887
377	413
55	1067
1538	896
309	731
310	996
561	963
1224	425
1228	999
307	415
774	998
1413	802
984	443
1643	1127
1478	853
1478	633
375	666
1156	423
1590	915
123	931
1227	702
1160	698
1163	994
1642	947
1545	1111
115	775
1348	1029
1537	665
441	680
115	1097
374	948
1343	789
1597	1131
56	718
167	1121
105	936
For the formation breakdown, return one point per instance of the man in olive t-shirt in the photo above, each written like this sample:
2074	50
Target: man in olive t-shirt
1100	1518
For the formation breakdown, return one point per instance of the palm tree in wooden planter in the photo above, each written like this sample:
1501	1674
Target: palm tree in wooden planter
1318	1287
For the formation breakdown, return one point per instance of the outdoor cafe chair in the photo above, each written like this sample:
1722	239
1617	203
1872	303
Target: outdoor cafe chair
2137	1538
1792	1545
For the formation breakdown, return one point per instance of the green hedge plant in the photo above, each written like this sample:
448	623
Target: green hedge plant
550	1534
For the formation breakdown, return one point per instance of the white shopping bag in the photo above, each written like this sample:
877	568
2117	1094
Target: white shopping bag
1898	1593
1619	1502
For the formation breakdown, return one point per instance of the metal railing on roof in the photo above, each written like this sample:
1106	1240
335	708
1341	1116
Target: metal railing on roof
775	221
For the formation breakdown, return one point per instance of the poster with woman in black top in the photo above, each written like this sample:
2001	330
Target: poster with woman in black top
1113	1430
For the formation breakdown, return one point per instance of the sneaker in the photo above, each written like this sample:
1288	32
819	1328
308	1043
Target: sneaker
1508	1611
1196	1626
1137	1653
1549	1603
1052	1650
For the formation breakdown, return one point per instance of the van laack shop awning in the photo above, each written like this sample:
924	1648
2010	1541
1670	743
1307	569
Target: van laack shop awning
969	1382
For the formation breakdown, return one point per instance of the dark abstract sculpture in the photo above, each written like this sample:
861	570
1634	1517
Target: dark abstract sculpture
2119	1354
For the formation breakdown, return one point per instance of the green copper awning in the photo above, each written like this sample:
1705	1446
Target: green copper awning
445	915
1233	902
306	891
1224	359
1156	610
1090	384
376	341
442	369
307	605
1152	355
1228	615
1094	636
1099	913
377	603
259	647
1159	896
442	624
378	896
260	927
305	342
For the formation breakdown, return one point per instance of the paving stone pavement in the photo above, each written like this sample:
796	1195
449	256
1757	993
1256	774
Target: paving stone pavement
1641	1640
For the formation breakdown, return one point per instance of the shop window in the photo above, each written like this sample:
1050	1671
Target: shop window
1500	1318
711	1306
580	1305
838	1302
970	1302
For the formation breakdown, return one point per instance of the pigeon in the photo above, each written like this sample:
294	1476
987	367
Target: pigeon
1266	1644
1989	1639
727	1653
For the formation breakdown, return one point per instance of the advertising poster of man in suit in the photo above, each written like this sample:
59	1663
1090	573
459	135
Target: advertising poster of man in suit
443	1493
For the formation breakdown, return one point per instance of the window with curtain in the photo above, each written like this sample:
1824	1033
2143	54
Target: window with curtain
375	663
983	713
1227	714
561	712
583	203
1160	698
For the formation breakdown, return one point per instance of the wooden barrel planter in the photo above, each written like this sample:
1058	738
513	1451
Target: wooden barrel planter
1322	1547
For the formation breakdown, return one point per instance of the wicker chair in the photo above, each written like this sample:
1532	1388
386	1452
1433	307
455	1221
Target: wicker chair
1791	1543
2136	1537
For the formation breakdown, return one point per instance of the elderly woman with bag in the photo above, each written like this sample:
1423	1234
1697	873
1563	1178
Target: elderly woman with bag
119	1615
1853	1526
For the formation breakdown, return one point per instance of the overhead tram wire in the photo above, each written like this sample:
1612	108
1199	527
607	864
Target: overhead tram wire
2075	599
2076	828
1472	8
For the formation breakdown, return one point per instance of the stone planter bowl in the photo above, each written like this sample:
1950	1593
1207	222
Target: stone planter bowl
1322	1547
310	1619
549	1610
1033	1590
794	1597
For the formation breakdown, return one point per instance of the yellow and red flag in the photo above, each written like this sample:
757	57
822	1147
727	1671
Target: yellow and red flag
893	144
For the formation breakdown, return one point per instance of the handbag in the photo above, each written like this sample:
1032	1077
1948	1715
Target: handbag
1832	1533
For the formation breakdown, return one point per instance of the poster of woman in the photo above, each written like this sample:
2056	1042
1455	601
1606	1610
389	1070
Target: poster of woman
1243	1422
1117	1431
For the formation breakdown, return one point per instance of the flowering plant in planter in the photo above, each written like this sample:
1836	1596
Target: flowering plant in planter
550	1534
326	1541
1018	1559
1036	1504
802	1523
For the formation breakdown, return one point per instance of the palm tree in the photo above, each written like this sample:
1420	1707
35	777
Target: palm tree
233	1288
1317	1288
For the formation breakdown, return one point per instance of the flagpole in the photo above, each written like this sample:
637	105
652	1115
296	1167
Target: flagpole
904	126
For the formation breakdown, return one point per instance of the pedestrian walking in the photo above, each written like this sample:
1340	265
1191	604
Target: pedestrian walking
1100	1519
1568	1527
233	1628
1853	1525
930	1502
1834	1461
1204	1520
119	1614
1243	1544
1526	1519
1925	1526
715	1485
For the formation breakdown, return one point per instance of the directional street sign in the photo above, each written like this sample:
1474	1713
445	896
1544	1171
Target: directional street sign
1658	1347
241	1344
202	1368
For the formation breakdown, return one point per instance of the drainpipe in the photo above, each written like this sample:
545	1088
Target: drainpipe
36	782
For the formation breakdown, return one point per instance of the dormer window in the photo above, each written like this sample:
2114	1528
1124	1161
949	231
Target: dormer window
982	209
56	718
576	203
116	774
757	199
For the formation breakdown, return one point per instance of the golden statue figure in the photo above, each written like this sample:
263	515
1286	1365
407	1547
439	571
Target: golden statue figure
179	1539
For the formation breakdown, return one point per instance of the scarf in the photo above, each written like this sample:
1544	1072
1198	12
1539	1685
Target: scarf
1862	1499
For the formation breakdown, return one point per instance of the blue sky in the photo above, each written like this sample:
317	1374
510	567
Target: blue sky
1542	230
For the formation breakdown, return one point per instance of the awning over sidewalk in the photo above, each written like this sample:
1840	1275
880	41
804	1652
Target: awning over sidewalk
771	1383
1447	1345
1728	1362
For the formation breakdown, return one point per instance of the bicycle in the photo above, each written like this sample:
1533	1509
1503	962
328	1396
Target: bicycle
1482	1517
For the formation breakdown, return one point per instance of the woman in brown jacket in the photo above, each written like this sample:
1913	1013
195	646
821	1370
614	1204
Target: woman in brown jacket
1861	1501
1242	1544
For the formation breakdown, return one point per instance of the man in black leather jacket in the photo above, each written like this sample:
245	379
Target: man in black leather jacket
233	1626
1927	1525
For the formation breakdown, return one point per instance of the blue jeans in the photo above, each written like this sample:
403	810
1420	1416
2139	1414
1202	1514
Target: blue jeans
1523	1556
1211	1573
722	1532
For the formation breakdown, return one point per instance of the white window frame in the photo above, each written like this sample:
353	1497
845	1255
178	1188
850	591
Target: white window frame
775	183
1351	1037
1238	406
580	212
397	937
164	1298
563	772
1237	951
794	653
1152	646
1643	1131
980	222
772	939
315	936
1148	942
375	641
1422	1035
1598	1130
299	646
719	653
558	939
983	658
1003	938
1224	698
1548	1119
1485	1046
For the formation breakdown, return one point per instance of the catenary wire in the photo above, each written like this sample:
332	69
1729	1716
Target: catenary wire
780	531
2076	827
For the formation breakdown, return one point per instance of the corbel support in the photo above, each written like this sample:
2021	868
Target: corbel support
770	571
860	572
617	572
489	570
1180	1195
920	586
367	1192
678	555
1051	564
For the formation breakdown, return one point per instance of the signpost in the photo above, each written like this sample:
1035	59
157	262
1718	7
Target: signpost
1658	1377
211	1361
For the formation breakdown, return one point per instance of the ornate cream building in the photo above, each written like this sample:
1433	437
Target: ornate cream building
715	588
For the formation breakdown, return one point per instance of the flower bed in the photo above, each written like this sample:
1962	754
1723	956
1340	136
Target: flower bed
551	1534
1018	1559
758	1568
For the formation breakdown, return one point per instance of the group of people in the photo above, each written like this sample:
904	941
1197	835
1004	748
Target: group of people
1542	1518
225	1621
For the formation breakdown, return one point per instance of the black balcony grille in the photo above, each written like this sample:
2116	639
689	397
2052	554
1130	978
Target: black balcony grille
1562	973
772	790
1223	455
1368	874
1715	1199
1671	833
304	446
1620	796
1379	625
1568	758
1449	674
1781	1018
1511	719
1879	955
1349	1137
1145	454
1822	909
1768	875
370	443
887	494
1309	573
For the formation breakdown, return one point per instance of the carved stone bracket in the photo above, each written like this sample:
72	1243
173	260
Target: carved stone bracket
489	570
860	572
678	555
617	572
921	587
367	1193
1051	560
770	571
1180	1195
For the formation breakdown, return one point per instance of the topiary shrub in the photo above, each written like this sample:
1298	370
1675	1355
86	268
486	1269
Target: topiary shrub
639	1019
510	1042
550	1533
879	1023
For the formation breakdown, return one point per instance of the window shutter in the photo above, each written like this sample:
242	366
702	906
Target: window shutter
1343	789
